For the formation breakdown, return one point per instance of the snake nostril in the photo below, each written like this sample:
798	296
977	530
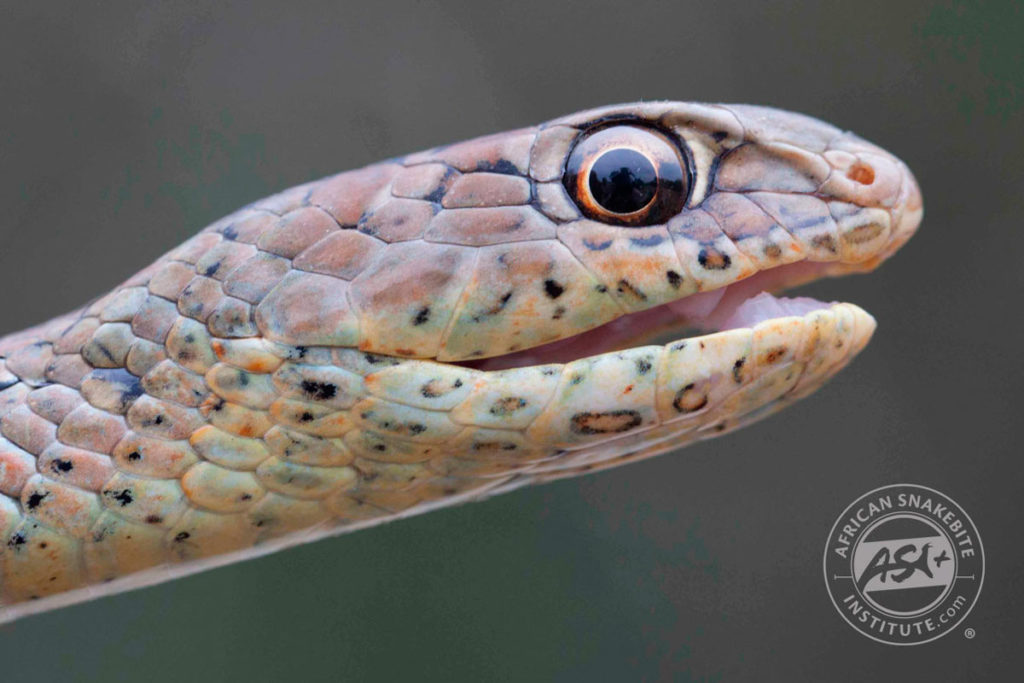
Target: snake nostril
861	173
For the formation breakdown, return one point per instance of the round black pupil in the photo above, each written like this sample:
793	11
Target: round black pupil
623	181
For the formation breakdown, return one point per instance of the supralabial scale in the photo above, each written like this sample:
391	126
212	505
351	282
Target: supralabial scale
434	329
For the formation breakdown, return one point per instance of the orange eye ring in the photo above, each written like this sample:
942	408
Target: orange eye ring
627	175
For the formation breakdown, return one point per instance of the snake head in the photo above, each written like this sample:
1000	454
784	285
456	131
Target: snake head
432	329
507	243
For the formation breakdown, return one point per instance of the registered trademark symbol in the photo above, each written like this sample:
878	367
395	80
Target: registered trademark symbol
969	633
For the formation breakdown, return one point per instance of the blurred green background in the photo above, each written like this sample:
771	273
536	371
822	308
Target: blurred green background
124	128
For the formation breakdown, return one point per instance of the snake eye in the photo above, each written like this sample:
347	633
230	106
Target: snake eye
627	175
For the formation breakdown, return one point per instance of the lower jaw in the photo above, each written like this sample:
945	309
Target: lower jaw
742	304
643	400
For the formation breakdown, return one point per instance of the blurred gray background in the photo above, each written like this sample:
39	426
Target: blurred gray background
125	128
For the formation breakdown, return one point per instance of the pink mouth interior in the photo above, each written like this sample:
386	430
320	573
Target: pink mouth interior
740	304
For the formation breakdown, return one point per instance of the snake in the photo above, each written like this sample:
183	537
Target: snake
434	329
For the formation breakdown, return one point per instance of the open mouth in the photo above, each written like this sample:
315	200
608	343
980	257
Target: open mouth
741	304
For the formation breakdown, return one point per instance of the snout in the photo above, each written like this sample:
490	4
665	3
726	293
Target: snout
865	175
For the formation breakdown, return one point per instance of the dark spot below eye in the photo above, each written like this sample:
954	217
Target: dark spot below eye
16	540
321	391
719	135
649	241
596	246
134	456
559	312
674	278
643	366
211	269
306	417
417	428
772	251
230	233
182	536
154	519
713	259
422	316
610	422
457	383
553	289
